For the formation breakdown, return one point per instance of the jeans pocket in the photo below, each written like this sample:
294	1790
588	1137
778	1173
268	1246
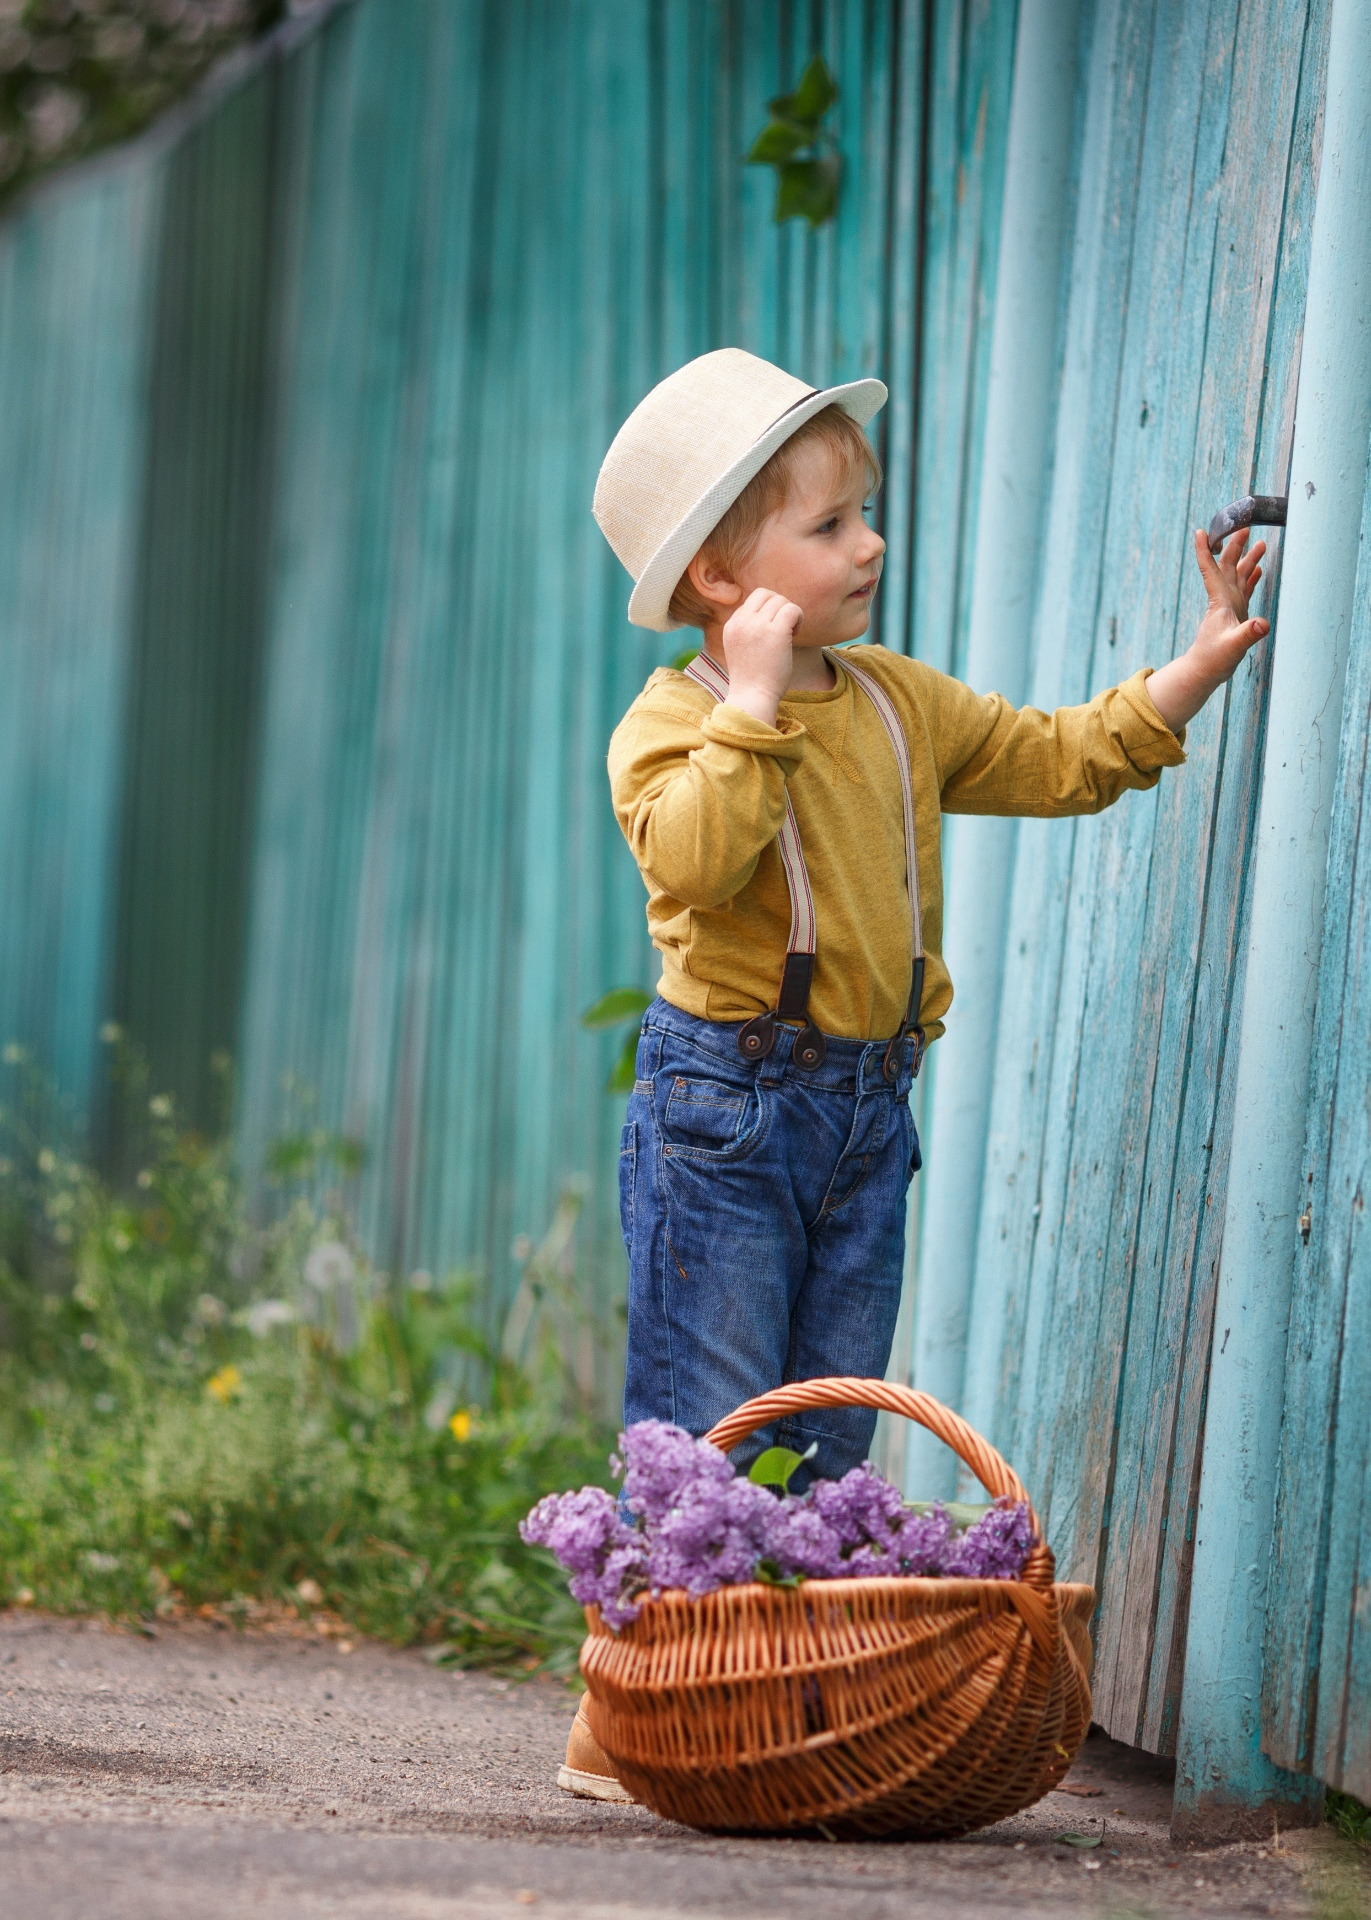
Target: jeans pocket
916	1158
628	1180
706	1116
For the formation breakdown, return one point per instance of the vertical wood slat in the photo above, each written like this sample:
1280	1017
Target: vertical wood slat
74	297
197	605
1317	1692
970	54
1316	1696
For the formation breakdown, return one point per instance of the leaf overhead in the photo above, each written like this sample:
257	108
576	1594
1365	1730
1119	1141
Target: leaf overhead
809	168
625	1067
779	141
808	189
811	99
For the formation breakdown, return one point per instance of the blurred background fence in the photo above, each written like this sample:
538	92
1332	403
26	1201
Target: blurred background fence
314	648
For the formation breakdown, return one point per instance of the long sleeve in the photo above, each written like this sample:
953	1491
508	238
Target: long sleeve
996	759
699	791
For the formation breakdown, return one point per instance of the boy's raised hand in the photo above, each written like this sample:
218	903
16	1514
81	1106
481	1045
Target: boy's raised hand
1224	635
759	653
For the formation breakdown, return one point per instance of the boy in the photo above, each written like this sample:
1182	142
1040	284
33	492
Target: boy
783	804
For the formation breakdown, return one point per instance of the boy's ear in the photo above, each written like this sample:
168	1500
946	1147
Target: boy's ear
714	584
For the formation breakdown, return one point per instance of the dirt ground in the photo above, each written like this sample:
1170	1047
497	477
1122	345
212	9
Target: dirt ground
207	1773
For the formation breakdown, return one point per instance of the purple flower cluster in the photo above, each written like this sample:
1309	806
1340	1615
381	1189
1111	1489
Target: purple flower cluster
607	1561
687	1521
995	1548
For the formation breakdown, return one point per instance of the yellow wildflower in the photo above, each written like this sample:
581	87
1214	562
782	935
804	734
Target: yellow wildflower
224	1384
460	1424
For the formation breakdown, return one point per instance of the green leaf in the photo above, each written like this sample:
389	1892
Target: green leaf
1082	1840
962	1513
770	1575
683	660
775	1467
813	97
624	1074
808	190
620	1003
778	141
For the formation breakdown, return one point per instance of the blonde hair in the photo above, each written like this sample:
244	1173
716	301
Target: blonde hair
729	545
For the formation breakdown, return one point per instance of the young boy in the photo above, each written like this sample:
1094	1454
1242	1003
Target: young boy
784	804
763	1199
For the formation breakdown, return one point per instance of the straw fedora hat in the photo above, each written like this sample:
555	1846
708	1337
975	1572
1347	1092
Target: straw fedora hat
686	452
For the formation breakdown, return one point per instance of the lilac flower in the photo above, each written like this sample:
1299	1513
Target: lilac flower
802	1543
713	1537
863	1508
995	1548
924	1540
686	1522
607	1561
661	1462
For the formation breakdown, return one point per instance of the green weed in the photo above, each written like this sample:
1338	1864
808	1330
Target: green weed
1351	1819
200	1412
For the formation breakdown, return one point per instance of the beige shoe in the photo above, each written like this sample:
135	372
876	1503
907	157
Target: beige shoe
586	1771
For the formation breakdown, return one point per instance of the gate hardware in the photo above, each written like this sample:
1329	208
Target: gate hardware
1253	510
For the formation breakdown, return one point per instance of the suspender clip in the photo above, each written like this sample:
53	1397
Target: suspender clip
890	1066
810	1049
757	1036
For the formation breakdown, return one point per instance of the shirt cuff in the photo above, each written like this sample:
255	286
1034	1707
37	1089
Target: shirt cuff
729	726
1148	739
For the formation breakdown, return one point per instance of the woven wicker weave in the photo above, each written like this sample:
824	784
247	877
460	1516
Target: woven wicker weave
925	1707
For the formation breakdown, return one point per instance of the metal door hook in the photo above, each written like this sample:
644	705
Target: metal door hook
1253	510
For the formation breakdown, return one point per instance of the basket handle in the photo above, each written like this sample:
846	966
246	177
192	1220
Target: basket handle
990	1467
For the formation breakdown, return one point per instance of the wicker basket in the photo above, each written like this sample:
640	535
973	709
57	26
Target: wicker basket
874	1706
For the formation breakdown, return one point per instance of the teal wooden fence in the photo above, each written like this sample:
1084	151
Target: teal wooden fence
314	652
1111	1103
1089	1339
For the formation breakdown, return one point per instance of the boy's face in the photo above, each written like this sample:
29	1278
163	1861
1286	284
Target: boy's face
818	551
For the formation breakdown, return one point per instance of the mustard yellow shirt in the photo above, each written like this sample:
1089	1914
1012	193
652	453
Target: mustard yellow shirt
699	791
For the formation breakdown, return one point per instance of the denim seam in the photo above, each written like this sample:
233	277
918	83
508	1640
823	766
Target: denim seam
668	1260
628	1154
827	1212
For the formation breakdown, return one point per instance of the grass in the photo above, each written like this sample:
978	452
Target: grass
1348	1816
199	1412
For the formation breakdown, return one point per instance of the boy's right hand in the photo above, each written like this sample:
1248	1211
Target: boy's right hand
759	653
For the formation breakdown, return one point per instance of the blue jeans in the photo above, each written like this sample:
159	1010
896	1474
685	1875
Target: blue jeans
763	1209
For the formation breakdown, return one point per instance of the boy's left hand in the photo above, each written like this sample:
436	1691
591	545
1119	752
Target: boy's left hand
1224	634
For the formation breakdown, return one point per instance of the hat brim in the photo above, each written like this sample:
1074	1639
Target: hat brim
650	602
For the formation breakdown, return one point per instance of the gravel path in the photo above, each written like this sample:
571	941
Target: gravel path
210	1773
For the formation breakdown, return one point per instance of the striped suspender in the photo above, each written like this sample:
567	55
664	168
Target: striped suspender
758	1035
890	720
